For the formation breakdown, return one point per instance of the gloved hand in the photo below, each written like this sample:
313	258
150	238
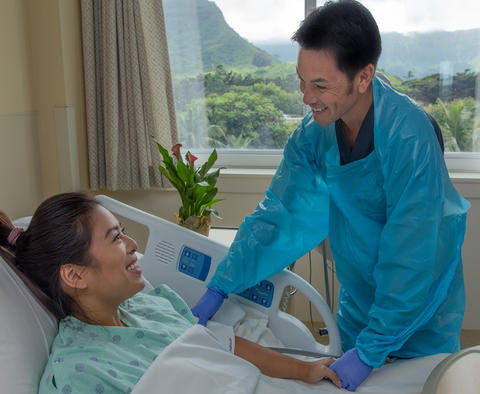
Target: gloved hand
208	305
351	370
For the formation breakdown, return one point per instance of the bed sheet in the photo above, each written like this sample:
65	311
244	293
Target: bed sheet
199	362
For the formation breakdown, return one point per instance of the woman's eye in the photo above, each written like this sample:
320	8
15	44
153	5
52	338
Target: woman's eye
119	234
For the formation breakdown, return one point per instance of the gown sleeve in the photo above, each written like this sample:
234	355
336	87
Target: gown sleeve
290	221
419	247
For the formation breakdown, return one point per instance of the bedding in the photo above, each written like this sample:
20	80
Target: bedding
199	362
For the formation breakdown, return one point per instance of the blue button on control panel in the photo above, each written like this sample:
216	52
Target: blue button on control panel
262	294
194	263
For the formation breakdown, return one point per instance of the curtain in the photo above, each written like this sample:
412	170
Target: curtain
129	95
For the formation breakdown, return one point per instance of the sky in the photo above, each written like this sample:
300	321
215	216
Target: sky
276	20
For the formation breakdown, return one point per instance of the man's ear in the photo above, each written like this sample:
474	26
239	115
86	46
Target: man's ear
73	276
364	77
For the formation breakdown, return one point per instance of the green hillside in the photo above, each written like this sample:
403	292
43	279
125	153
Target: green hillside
216	44
420	53
430	53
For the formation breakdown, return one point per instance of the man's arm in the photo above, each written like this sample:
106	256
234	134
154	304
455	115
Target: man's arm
277	365
291	220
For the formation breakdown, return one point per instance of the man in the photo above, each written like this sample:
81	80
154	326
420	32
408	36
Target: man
365	168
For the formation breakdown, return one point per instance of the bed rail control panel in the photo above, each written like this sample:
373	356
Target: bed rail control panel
194	263
261	294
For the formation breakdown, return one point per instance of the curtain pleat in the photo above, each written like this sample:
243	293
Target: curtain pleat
129	95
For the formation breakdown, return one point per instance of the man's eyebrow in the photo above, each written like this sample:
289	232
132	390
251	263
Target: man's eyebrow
323	80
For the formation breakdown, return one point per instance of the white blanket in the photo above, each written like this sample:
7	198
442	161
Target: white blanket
199	362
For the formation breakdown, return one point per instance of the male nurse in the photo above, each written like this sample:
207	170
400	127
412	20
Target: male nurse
365	167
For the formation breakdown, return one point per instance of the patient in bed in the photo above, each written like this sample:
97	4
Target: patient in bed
84	269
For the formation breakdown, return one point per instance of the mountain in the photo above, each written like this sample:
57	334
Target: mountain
199	38
421	53
429	53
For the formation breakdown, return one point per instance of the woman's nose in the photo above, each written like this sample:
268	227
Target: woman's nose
131	243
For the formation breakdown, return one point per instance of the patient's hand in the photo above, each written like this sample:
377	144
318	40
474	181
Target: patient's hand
278	365
318	370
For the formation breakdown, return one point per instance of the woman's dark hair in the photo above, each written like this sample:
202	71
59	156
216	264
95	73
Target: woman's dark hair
59	233
347	29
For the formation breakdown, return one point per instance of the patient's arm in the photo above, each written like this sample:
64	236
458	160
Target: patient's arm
279	365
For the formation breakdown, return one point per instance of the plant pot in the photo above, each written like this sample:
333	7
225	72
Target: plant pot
196	223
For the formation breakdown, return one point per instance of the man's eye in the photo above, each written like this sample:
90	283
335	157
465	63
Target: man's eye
320	87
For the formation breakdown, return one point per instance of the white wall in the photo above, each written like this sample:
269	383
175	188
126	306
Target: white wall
20	178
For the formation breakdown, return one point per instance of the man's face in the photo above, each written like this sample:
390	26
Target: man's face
326	90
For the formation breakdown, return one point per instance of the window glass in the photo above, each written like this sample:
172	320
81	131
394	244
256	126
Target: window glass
236	87
431	51
234	72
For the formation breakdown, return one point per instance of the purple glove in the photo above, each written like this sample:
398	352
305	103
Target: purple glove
208	305
351	370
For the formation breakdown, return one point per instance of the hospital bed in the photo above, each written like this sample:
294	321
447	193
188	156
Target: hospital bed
185	261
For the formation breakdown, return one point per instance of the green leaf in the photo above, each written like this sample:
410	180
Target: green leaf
165	155
209	163
212	178
176	183
208	197
214	202
213	212
185	174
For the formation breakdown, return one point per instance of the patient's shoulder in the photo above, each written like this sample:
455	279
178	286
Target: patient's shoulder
162	301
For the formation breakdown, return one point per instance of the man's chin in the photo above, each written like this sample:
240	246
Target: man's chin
322	121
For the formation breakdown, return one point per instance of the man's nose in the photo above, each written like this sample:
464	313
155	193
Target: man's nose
308	96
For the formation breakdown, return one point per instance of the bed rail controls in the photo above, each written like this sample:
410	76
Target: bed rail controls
261	294
194	263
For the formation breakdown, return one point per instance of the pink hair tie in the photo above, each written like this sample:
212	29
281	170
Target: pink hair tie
14	234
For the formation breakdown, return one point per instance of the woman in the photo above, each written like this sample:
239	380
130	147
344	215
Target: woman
80	263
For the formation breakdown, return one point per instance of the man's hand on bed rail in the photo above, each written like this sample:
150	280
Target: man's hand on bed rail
208	305
278	365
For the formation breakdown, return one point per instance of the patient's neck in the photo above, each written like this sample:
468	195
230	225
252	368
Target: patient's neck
99	314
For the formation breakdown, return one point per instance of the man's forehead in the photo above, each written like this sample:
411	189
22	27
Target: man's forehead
318	66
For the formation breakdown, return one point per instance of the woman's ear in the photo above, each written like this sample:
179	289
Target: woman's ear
73	276
5	220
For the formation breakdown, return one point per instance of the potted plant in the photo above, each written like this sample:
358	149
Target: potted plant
195	185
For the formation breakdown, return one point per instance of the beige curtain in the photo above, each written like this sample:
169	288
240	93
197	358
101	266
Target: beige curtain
129	95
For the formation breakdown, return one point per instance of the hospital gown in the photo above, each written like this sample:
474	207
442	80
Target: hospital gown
103	359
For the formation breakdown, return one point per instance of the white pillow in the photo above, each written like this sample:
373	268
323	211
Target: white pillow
26	334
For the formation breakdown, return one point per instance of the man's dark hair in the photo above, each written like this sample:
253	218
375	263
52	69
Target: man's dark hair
347	29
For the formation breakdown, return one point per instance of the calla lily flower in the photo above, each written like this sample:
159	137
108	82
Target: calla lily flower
176	151
191	159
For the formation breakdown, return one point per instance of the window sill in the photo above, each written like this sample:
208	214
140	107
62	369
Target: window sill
257	180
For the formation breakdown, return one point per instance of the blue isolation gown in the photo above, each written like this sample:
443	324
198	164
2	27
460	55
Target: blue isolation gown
396	226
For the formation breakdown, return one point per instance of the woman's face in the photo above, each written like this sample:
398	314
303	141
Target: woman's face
114	274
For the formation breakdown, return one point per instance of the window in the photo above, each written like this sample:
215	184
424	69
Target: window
236	87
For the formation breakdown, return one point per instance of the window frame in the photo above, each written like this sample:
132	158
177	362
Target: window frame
271	158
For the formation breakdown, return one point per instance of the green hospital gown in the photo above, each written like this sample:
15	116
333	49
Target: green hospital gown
87	358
